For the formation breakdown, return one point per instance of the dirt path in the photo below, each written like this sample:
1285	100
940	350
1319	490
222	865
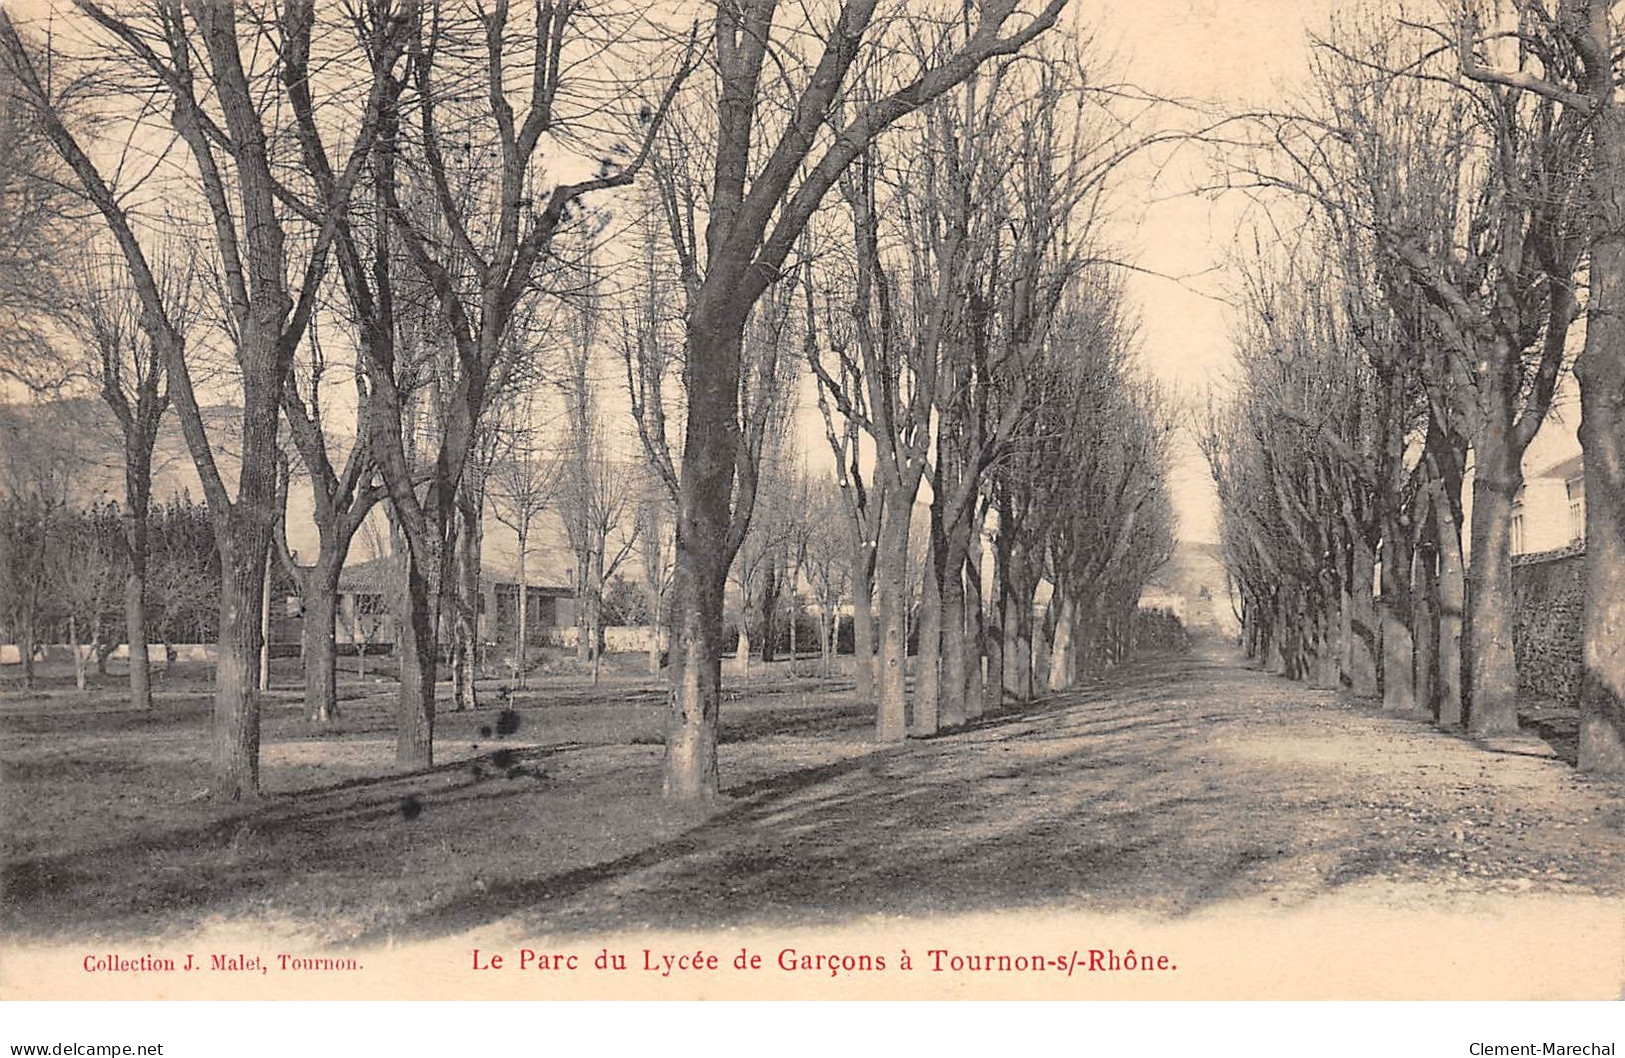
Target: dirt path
1181	795
1184	789
1177	786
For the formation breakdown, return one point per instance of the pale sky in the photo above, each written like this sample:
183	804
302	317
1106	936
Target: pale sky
1238	54
1229	54
1213	53
1241	54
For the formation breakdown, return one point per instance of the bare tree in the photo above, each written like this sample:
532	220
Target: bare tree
596	495
1587	30
104	313
476	192
342	497
196	59
887	385
861	503
759	207
520	487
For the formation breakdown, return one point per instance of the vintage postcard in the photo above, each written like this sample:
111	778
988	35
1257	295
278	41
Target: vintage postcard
1005	499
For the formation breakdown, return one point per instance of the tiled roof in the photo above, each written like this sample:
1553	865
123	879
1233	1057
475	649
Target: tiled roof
377	574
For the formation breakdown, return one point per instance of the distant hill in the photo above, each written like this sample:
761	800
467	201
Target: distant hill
79	439
84	438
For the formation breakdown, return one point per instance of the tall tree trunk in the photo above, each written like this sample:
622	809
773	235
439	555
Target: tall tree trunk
1017	589
265	627
1398	662
654	644
1492	673
1446	454
1601	372
1364	633
975	634
1089	643
26	645
78	656
1425	630
742	647
826	636
583	605
465	643
351	612
695	666
1062	650
235	733
1277	653
100	648
320	633
595	614
707	541
137	492
863	626
1252	628
521	653
993	687
1328	645
793	616
462	664
891	575
954	709
1043	642
770	606
651	588
926	713
997	658
1452	589
419	646
135	623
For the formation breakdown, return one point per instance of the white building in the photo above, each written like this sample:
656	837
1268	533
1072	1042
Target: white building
1549	511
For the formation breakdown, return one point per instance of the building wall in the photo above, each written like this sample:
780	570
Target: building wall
1194	586
618	639
1541	517
1549	597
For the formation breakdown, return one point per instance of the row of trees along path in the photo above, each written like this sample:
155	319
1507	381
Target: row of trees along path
380	235
1448	188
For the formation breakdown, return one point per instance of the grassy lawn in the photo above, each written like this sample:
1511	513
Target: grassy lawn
107	830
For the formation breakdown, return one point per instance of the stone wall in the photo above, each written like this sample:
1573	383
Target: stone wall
618	639
1549	592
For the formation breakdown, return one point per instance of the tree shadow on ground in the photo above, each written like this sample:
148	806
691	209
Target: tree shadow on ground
1083	800
1129	795
181	870
1562	733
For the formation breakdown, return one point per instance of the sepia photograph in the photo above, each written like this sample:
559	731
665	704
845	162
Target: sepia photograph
834	500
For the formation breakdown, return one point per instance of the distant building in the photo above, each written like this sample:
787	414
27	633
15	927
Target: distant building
1549	512
83	435
366	613
1195	587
